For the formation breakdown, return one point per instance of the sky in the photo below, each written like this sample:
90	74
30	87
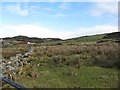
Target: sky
57	19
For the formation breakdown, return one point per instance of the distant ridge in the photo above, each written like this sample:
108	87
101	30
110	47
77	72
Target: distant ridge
115	36
30	39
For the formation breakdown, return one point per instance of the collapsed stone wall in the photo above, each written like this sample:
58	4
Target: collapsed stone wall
14	65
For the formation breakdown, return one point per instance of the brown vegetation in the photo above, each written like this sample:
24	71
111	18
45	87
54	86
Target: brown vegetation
102	54
12	51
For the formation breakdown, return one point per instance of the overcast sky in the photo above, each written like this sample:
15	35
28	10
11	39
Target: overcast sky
58	19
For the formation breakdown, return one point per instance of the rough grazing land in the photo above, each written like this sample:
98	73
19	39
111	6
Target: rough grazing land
83	62
64	66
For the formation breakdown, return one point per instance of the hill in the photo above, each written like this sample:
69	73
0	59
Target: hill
99	38
115	36
30	39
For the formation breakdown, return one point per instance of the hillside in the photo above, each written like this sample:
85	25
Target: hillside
115	36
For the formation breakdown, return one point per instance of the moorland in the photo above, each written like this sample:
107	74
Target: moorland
81	62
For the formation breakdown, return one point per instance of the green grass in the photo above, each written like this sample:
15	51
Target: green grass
69	77
87	39
79	40
58	66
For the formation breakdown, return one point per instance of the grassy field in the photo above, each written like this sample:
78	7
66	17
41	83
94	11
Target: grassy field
73	66
70	77
69	64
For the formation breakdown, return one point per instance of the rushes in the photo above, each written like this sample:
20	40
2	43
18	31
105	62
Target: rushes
103	55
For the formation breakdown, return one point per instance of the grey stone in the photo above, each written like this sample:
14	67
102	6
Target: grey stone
12	58
1	67
17	64
10	67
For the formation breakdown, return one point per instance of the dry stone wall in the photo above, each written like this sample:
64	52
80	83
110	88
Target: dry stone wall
14	65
